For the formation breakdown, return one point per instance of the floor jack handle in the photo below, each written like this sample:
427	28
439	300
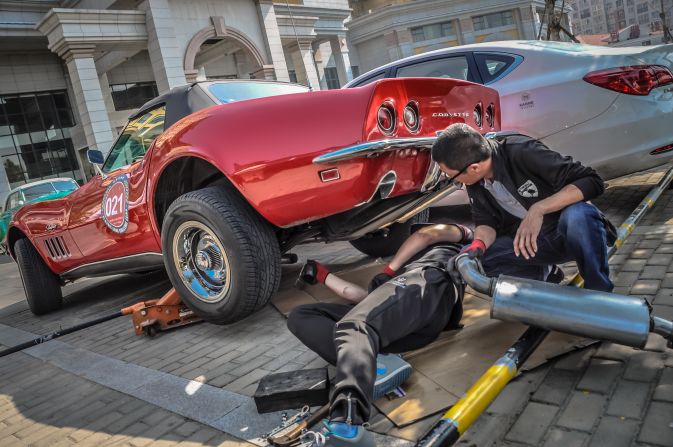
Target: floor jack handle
60	333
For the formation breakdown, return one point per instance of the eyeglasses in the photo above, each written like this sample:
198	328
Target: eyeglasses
461	172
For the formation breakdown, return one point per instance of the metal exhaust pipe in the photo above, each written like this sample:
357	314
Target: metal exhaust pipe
588	313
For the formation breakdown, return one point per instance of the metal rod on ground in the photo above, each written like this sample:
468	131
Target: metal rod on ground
53	335
141	311
460	417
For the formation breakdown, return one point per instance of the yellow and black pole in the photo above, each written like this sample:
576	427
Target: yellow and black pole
461	416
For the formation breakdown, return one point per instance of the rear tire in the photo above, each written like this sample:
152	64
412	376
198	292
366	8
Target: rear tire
42	286
380	244
222	258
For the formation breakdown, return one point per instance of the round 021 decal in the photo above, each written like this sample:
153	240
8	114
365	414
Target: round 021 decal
115	206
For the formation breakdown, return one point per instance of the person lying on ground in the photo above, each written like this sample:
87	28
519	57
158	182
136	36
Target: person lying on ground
408	305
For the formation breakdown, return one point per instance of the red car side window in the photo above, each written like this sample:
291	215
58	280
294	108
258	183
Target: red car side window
135	139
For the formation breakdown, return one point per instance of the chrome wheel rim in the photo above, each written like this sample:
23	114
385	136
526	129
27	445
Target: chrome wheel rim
201	262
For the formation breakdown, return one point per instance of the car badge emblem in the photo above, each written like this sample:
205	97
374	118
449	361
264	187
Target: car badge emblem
526	101
51	227
114	208
450	115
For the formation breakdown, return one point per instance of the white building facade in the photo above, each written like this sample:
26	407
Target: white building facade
72	71
383	31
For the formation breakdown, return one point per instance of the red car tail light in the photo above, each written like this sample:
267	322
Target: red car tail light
411	117
478	115
386	119
633	80
490	115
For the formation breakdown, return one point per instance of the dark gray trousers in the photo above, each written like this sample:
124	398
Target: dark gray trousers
406	313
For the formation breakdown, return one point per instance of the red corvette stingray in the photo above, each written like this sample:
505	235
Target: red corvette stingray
216	181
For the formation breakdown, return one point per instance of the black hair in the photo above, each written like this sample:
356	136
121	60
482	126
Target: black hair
459	146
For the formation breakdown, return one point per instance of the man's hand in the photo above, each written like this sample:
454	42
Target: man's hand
475	250
525	241
386	275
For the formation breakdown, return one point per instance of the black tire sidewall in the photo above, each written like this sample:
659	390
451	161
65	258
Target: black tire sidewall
41	285
233	231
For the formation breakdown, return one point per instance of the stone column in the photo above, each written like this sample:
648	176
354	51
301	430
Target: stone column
392	45
89	96
527	24
342	59
304	65
274	46
320	66
107	92
162	46
4	186
405	42
467	29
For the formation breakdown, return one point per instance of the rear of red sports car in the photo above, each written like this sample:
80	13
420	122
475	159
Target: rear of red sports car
349	164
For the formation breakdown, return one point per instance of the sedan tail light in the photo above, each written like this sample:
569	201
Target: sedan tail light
633	80
386	119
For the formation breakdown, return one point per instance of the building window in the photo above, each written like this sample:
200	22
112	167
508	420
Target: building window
493	20
331	78
585	13
355	69
619	3
429	32
642	8
132	96
293	75
35	137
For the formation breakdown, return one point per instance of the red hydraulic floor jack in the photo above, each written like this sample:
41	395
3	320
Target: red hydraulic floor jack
167	312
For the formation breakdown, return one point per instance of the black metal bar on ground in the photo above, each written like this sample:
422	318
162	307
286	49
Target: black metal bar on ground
53	335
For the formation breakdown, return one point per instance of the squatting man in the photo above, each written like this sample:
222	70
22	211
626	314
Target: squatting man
531	212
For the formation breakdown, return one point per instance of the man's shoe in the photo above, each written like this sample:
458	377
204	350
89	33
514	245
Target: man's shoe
339	434
391	372
308	274
556	276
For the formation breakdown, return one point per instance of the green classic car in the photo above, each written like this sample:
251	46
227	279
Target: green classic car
53	188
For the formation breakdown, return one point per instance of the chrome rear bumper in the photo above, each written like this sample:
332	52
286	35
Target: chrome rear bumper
373	148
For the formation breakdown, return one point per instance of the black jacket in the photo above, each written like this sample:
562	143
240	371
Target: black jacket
531	172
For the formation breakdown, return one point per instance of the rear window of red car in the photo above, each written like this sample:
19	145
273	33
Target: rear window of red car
227	92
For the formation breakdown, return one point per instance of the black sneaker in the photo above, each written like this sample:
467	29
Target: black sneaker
556	276
307	275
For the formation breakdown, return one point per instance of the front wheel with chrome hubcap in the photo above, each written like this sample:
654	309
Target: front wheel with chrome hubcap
222	258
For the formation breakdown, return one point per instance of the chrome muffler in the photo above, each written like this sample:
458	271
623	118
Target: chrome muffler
600	315
604	316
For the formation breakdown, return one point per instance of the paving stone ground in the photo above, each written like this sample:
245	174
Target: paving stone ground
605	395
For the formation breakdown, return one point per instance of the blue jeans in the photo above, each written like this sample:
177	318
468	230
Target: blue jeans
579	236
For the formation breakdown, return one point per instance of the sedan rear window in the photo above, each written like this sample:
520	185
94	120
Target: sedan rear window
227	92
448	67
493	66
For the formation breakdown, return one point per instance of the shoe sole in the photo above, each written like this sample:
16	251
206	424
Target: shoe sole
395	379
